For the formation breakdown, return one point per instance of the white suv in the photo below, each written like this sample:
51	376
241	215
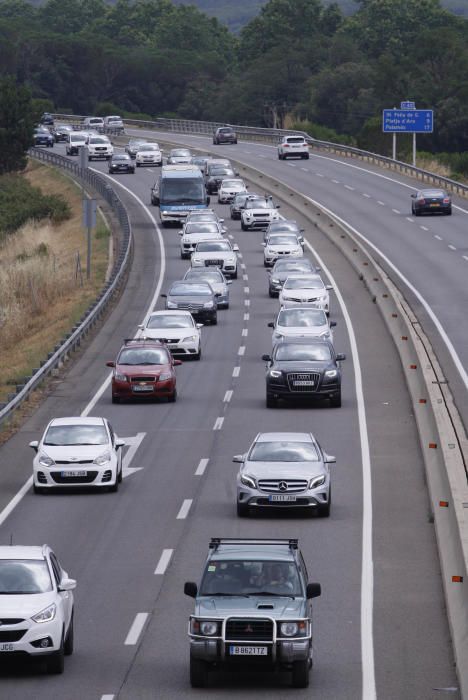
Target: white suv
258	212
36	605
293	147
93	123
114	122
100	147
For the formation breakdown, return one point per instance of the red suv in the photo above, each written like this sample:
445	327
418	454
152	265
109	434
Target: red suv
144	368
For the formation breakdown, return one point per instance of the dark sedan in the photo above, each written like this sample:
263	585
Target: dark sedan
284	226
224	134
121	163
43	137
215	176
283	268
197	297
47	118
303	369
61	132
431	202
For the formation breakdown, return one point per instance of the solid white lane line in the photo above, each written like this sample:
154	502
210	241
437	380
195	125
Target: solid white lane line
236	371
439	238
245	277
241	350
348	187
227	396
367	571
136	629
291	165
396	211
452	247
246	317
382	204
246	290
163	562
184	509
364	194
15	500
202	464
424	228
218	423
245	332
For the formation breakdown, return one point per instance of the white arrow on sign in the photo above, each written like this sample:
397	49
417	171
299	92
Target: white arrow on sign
133	443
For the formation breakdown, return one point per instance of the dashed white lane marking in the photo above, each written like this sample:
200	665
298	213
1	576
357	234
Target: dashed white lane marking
465	257
396	211
424	228
136	629
236	371
184	509
382	204
245	332
306	170
261	156
243	266
218	423
408	218
452	247
336	182
107	697
291	165
246	317
239	255
227	396
439	238
241	350
230	236
246	290
245	277
202	465
319	175
163	562
348	187
246	302
364	194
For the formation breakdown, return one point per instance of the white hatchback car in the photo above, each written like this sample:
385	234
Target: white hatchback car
305	290
301	322
293	147
77	451
228	190
36	605
148	154
281	245
177	329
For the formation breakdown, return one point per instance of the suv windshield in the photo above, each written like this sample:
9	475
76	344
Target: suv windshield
191	290
24	576
202	227
241	578
287	352
258	204
283	451
303	318
215	246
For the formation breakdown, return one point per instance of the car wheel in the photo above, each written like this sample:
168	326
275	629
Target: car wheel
271	402
235	141
113	488
335	400
115	399
234	276
417	212
300	674
38	489
120	474
173	397
242	510
69	639
138	165
271	294
449	212
243	226
214	320
198	673
56	661
324	510
197	355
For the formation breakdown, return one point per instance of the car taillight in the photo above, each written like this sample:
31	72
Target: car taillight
285	145
446	200
422	201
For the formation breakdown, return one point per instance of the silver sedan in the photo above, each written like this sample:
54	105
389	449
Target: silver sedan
215	279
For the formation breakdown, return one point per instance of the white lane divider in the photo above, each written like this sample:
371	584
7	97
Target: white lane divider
241	350
396	211
218	423
163	562
227	396
364	194
452	247
245	332
424	228
184	509
202	465
246	290
246	317
465	257
134	443
246	302
306	170
439	238
230	236
243	266
408	218
382	204
245	277
319	174
136	629
336	182
236	371
348	187
107	697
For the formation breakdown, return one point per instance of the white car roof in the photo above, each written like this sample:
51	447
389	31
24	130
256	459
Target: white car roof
20	551
77	420
148	143
297	276
180	312
277	437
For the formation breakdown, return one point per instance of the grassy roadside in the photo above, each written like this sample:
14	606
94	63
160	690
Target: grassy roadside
43	292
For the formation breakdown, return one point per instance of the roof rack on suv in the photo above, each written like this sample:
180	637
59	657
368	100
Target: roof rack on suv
216	541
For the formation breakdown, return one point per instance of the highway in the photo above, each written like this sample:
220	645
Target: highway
381	616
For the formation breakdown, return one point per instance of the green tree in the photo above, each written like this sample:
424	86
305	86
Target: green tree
16	125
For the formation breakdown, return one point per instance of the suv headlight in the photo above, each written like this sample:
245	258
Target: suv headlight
103	459
171	305
45	460
46	615
289	629
208	305
248	481
331	373
209	628
317	481
275	373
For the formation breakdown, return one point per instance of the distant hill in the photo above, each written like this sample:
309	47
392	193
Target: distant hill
237	13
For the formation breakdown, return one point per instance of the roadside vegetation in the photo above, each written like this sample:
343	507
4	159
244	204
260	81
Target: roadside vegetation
43	285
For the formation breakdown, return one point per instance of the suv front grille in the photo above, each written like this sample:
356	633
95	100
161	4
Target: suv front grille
249	630
282	485
308	377
11	635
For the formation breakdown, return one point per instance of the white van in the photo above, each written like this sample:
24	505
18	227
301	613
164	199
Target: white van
93	123
114	122
75	140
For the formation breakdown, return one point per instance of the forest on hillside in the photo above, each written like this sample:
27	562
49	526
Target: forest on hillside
299	60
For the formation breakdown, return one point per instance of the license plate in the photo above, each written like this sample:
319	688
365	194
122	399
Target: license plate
7	647
79	472
303	382
213	262
281	498
142	388
248	651
434	205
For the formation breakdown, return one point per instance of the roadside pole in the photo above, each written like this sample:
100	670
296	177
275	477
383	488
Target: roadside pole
89	206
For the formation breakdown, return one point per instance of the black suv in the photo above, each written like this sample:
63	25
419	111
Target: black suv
302	368
224	134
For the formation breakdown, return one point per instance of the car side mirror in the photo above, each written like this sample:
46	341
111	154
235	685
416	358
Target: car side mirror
271	324
278	206
119	443
221	221
67	584
34	444
141	326
238	458
340	357
332	324
199	325
110	364
302	230
413	196
237	174
235	247
266	358
228	281
314	590
264	244
177	363
164	296
190	589
329	459
328	287
318	269
181	233
218	294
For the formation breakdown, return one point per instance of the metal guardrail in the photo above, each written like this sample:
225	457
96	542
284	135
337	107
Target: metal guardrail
186	126
96	309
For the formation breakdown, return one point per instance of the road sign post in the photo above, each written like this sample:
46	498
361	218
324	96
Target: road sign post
89	222
407	120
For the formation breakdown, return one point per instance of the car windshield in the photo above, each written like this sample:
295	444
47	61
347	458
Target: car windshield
240	198
251	578
24	576
303	283
170	321
258	204
433	193
232	183
216	245
148	147
122	157
220	170
287	352
77	137
278	239
280	226
98	139
211	276
183	190
190	290
86	434
294	139
290	266
304	318
181	153
283	451
143	356
202	227
135	142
